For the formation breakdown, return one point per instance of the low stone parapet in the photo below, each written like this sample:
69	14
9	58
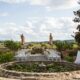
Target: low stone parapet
72	75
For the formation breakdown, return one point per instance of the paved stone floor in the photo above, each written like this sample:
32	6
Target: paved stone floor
44	78
2	78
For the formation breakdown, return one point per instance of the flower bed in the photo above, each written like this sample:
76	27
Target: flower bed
50	67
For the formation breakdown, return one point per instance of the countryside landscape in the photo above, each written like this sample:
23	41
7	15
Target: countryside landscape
40	40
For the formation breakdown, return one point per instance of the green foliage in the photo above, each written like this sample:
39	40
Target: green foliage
32	45
43	45
48	46
37	50
75	46
59	45
77	19
63	45
40	47
72	53
24	68
6	57
69	58
77	37
12	45
34	67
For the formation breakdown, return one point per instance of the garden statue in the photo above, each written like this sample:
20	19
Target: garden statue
22	39
50	39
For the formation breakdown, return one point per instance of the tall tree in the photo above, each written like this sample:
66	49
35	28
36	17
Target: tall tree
77	20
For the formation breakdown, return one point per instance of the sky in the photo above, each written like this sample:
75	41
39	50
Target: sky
36	19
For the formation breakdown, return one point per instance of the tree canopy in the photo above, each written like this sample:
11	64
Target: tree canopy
77	19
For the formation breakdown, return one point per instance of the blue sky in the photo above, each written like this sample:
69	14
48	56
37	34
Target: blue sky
37	18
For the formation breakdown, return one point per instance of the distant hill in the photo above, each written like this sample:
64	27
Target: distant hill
68	41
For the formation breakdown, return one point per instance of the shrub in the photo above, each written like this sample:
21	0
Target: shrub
75	46
70	59
14	46
37	50
72	53
63	45
6	57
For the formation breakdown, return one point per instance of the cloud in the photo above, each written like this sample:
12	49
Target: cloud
38	29
13	1
55	4
3	14
62	28
13	31
49	4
